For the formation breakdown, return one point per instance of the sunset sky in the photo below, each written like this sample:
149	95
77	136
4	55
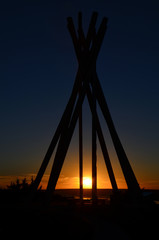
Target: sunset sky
37	71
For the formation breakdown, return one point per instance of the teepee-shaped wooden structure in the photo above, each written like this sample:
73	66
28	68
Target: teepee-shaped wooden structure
86	85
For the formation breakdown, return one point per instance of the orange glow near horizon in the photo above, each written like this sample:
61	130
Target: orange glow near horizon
72	182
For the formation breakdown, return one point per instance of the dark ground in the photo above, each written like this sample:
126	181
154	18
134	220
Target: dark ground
72	220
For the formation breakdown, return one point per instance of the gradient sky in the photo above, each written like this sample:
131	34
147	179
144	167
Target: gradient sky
37	71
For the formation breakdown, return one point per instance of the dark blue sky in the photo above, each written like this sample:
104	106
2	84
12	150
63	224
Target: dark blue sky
38	67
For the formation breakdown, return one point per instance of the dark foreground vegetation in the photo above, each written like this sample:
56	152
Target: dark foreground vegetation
68	218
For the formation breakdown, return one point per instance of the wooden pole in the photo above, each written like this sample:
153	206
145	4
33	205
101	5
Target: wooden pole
66	136
129	175
94	154
62	125
102	141
81	154
81	41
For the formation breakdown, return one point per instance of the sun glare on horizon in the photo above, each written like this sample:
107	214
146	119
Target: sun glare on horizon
87	182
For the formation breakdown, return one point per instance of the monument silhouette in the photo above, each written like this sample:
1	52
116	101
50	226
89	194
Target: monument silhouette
86	85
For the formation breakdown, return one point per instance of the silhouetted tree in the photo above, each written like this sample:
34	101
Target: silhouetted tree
32	180
24	185
18	185
15	186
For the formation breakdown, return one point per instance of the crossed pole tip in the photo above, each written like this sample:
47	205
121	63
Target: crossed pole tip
92	21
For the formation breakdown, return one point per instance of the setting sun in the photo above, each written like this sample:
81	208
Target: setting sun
87	182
